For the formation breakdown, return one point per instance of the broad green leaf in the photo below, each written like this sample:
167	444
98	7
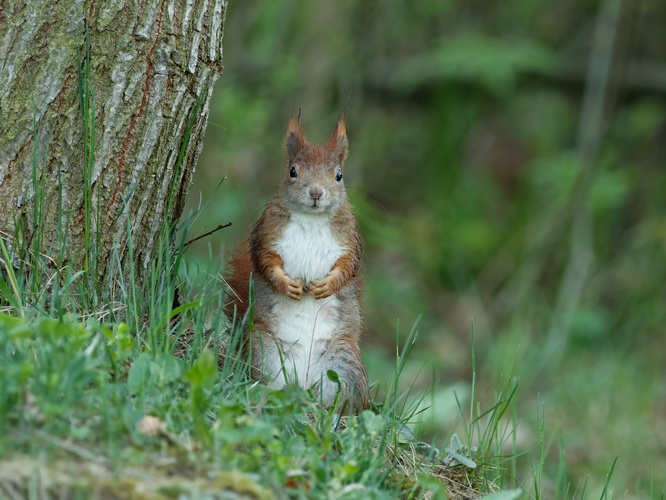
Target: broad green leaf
139	374
203	371
165	368
333	376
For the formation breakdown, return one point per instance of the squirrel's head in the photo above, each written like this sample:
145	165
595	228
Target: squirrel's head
313	181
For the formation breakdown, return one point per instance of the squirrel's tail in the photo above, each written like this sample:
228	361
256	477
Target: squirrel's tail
238	280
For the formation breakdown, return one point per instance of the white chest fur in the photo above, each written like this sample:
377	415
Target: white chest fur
304	327
308	248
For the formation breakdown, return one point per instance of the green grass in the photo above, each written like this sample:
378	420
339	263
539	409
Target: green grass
77	392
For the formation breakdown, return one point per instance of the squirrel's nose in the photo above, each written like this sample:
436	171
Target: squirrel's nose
316	193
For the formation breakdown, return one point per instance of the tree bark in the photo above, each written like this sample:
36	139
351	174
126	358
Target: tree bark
151	67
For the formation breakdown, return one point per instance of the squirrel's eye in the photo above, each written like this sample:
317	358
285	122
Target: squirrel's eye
292	172
338	176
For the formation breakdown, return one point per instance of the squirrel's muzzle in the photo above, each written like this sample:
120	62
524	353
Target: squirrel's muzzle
315	194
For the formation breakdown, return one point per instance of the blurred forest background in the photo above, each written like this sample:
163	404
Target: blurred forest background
507	166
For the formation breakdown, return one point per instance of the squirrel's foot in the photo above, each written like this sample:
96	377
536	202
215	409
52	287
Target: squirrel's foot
320	289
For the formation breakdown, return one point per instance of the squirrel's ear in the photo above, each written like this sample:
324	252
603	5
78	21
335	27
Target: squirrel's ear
294	140
337	142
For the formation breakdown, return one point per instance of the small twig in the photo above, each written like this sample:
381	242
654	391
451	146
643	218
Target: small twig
221	226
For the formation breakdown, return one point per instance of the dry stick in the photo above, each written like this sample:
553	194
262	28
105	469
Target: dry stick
221	226
590	134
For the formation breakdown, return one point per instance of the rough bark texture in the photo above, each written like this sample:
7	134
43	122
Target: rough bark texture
151	61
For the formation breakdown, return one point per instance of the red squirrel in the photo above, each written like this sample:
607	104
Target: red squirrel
304	254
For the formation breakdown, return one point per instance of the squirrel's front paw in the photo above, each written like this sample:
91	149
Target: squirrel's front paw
320	289
294	288
287	286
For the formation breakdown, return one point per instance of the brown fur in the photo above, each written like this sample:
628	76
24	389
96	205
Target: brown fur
239	279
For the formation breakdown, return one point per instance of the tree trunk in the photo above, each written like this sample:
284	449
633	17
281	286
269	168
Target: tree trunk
103	107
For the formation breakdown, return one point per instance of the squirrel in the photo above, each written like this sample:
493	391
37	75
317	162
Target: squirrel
304	254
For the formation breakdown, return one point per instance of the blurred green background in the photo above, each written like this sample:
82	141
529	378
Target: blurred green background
507	168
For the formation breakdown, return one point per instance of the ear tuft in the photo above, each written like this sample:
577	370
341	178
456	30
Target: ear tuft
337	142
294	141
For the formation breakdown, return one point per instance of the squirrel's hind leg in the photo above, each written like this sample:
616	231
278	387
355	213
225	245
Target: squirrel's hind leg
343	356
